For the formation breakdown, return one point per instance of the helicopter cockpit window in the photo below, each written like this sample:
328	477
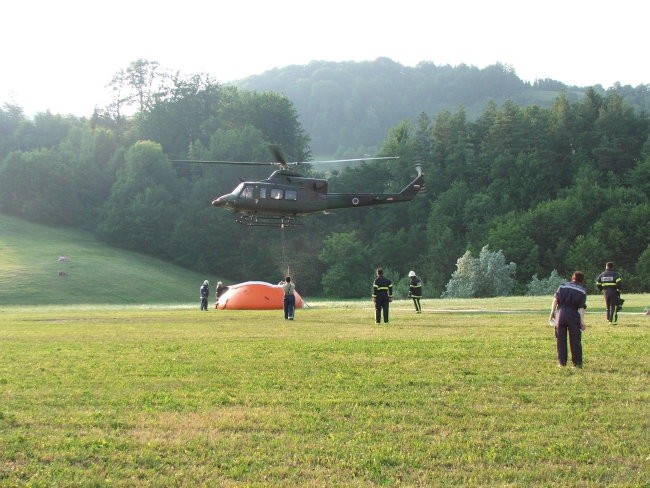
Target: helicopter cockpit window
247	193
290	195
276	194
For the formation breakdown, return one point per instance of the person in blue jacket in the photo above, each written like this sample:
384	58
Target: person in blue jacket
570	303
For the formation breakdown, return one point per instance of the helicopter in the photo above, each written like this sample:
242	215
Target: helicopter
286	195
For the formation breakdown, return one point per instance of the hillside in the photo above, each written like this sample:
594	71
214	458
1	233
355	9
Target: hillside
32	273
347	107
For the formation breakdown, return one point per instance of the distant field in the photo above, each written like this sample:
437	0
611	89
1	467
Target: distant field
465	394
32	274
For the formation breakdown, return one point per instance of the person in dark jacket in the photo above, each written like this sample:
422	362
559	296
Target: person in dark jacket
220	290
204	292
570	302
415	290
611	284
382	295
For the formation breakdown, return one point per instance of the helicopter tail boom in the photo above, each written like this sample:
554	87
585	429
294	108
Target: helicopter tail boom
343	200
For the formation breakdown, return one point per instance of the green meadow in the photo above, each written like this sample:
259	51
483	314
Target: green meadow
31	272
466	394
111	376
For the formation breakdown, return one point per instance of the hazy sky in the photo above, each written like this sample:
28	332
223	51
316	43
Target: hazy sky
61	54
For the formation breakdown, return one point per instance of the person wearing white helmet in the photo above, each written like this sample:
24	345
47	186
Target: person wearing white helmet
204	293
415	290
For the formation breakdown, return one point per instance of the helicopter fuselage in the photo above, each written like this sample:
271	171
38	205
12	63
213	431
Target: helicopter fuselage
286	194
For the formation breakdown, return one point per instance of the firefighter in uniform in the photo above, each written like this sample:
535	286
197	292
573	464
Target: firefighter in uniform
382	295
415	290
610	283
570	302
204	292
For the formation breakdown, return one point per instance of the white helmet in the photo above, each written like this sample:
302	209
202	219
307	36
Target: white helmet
219	283
411	273
206	282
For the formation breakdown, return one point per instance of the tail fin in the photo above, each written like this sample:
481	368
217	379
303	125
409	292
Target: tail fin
414	186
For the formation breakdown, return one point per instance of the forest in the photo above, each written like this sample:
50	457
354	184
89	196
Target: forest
553	187
347	108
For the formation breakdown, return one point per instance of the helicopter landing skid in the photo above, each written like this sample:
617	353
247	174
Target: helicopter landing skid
255	220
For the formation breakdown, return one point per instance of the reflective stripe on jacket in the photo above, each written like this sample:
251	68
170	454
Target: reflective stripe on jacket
382	288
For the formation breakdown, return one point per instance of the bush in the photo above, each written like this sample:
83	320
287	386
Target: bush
485	276
545	286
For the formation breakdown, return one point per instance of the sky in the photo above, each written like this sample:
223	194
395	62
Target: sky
61	55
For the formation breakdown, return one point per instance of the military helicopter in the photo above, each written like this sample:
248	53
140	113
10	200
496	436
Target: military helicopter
280	199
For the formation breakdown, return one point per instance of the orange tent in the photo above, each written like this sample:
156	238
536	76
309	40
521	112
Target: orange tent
254	295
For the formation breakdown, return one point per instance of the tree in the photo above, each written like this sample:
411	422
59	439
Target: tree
138	212
464	281
445	234
640	279
276	117
620	235
89	153
11	116
485	276
187	111
134	85
348	271
39	186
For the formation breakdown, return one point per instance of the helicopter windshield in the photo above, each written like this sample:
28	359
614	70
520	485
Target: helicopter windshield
237	191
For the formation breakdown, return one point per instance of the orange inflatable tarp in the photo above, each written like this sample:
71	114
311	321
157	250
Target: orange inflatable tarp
254	295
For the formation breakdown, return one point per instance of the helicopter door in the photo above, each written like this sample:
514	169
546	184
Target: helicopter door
257	194
249	197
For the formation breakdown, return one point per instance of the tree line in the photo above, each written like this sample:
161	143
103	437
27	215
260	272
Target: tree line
551	189
348	107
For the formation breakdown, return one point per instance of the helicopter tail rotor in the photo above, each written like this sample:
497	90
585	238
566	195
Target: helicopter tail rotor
418	168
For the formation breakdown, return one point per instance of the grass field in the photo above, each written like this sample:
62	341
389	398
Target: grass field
94	272
464	394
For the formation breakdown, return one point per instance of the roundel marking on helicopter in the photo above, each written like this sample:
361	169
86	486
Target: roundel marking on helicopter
355	201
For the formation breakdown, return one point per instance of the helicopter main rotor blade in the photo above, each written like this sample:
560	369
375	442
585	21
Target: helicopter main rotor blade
353	160
281	161
252	163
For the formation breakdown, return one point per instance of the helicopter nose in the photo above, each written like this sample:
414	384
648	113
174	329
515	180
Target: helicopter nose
224	200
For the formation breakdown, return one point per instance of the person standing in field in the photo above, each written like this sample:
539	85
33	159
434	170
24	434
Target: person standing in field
610	283
289	298
382	295
204	292
570	303
415	290
220	290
